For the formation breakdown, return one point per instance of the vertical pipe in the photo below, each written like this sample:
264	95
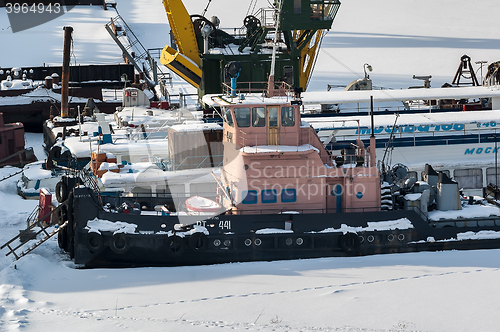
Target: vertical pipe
270	82
371	114
372	138
65	71
496	167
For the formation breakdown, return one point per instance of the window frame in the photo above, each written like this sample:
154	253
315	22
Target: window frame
238	120
254	112
269	201
229	120
244	195
283	123
291	200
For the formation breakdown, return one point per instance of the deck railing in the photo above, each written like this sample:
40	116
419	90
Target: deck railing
244	88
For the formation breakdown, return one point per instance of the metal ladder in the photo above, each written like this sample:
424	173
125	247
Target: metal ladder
90	181
35	221
142	59
11	175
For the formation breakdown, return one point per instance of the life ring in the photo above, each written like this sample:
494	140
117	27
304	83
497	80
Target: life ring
349	242
119	243
198	242
95	242
61	191
175	246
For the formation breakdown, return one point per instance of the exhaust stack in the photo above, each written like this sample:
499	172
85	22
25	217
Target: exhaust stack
65	71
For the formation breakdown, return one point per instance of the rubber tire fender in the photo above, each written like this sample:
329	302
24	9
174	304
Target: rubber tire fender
61	191
175	246
198	242
62	239
120	243
349	242
95	242
55	152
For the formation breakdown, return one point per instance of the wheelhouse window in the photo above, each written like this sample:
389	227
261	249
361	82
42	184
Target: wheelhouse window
229	117
259	117
287	116
242	116
288	195
273	116
249	197
269	196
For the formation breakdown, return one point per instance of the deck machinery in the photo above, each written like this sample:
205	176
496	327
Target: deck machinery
205	53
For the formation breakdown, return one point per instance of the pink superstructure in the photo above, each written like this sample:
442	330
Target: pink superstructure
274	162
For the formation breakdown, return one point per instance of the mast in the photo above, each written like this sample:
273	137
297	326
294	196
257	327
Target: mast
270	83
372	137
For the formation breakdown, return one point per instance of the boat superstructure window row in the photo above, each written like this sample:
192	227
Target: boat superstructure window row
257	117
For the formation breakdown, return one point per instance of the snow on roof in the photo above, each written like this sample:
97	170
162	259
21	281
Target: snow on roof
338	97
277	148
249	99
36	171
406	119
196	126
149	174
38	95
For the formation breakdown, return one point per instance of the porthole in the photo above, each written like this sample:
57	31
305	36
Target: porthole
248	242
370	238
227	243
401	237
217	242
289	241
299	241
390	237
258	242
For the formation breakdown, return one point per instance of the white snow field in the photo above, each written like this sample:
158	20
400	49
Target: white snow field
439	291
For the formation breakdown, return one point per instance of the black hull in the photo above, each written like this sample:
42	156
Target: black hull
235	238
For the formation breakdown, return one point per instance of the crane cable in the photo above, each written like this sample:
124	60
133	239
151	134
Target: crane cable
206	8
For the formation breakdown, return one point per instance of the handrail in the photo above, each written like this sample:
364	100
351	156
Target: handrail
198	164
257	87
292	210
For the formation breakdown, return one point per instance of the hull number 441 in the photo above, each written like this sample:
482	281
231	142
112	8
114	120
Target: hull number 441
223	224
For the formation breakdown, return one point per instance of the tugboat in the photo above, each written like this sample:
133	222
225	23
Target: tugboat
280	195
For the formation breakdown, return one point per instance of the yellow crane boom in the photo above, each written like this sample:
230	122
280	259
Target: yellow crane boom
186	61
